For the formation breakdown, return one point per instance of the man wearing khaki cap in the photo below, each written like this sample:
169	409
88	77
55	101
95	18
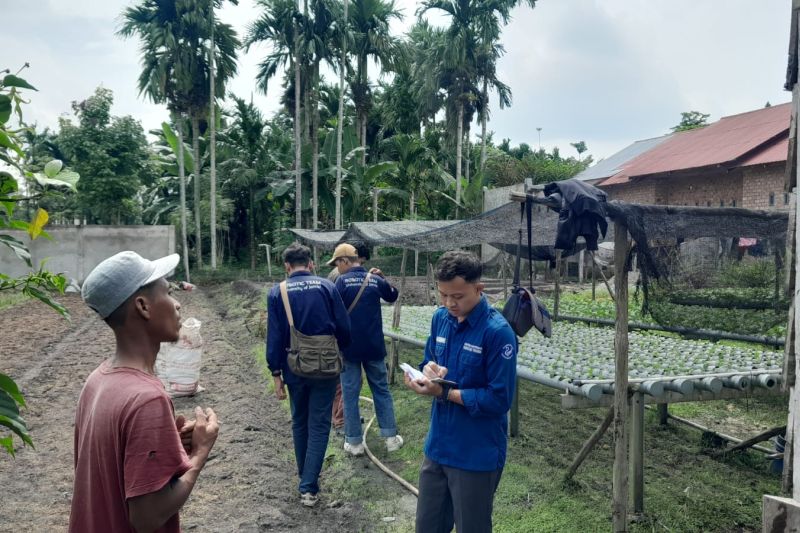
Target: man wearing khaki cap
135	463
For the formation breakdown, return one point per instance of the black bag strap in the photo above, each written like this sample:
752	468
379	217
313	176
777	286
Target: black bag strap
529	216
515	283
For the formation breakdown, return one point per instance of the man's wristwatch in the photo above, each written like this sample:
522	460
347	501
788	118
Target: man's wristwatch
276	373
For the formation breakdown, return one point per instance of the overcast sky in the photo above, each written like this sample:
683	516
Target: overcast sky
607	72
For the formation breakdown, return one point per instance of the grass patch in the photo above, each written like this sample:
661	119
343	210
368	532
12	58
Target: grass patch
11	298
685	489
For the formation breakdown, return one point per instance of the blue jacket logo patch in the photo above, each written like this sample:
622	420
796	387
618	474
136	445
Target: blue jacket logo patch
507	352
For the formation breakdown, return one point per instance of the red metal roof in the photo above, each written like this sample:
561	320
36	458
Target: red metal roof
724	142
773	154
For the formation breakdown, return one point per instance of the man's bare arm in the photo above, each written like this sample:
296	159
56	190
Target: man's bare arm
151	511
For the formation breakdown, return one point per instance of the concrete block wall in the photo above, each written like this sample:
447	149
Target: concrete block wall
492	199
721	190
643	192
76	250
762	181
748	187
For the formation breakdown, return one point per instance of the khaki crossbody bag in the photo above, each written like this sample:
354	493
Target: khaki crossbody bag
311	356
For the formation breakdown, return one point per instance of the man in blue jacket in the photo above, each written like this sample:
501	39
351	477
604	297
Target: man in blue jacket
366	289
472	345
317	309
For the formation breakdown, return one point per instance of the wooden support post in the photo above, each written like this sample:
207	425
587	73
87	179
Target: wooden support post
605	280
590	444
505	275
620	476
514	425
394	355
557	287
663	413
393	359
581	261
761	437
594	283
637	453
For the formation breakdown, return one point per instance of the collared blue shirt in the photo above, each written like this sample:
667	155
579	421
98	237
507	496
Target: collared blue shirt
365	318
317	309
480	354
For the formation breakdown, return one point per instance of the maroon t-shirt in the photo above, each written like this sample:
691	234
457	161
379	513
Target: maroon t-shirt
126	445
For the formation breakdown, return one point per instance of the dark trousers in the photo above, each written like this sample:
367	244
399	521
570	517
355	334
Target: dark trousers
449	496
311	402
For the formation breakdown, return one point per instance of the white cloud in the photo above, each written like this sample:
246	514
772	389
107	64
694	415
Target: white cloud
608	72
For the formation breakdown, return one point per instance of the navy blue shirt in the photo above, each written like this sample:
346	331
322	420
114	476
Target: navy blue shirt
365	318
317	309
480	354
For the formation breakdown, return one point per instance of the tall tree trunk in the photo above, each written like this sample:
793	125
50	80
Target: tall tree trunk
315	148
178	119
198	234
298	179
467	165
251	227
337	223
212	146
365	85
459	140
484	115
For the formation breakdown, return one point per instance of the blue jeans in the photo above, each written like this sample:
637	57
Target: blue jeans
311	402
351	388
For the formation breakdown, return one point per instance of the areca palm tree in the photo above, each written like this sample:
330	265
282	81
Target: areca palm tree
164	77
369	22
199	27
279	26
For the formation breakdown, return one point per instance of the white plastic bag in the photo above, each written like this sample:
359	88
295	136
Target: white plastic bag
178	363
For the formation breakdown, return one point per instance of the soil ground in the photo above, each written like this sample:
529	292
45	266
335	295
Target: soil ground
250	481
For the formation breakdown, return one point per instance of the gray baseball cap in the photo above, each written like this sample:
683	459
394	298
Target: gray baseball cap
117	278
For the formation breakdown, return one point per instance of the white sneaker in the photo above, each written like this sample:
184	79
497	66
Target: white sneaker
355	450
308	499
394	443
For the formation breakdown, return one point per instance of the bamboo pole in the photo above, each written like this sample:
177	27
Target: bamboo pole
590	444
620	475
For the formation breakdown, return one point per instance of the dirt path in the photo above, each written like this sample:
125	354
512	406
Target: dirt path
249	483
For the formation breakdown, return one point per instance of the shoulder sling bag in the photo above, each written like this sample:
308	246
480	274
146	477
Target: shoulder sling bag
311	356
523	310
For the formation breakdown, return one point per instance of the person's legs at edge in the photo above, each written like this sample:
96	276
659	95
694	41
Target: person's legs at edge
351	388
337	413
320	401
473	498
434	504
384	406
298	403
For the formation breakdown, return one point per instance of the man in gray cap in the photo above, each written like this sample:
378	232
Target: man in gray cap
135	463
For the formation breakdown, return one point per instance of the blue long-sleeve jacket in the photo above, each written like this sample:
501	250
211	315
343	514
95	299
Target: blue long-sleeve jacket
365	318
480	354
317	309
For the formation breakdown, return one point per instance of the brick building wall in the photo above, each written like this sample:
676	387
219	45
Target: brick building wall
721	190
764	187
758	187
643	192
